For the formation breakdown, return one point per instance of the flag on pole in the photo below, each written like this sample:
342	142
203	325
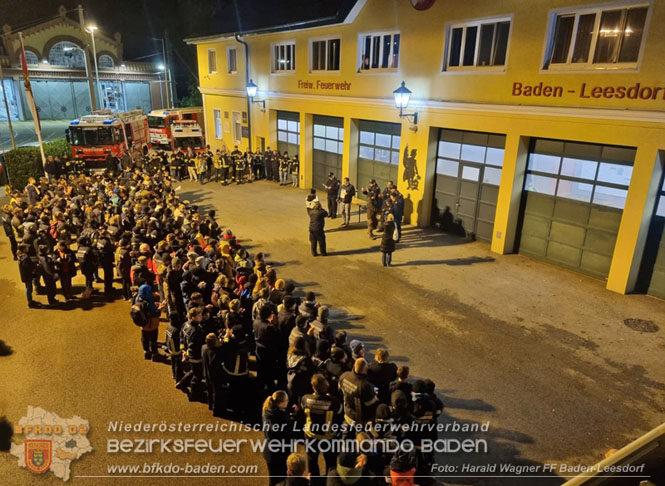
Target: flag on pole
31	100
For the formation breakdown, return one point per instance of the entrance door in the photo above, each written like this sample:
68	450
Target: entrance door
573	199
328	147
288	132
378	153
651	277
468	174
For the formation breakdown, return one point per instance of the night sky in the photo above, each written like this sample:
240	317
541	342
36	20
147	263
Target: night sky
140	20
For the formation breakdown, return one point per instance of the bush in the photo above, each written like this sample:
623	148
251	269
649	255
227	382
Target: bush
25	162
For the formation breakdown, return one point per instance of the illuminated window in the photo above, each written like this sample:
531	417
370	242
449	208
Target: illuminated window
212	61
106	61
596	38
31	58
284	57
325	55
379	51
232	60
66	54
479	44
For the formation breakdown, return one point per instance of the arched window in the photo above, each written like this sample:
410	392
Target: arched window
106	61
66	54
31	58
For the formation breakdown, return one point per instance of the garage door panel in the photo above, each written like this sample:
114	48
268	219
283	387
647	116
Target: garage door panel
486	211
489	193
536	226
567	233
600	241
469	189
564	254
484	230
571	211
538	204
533	246
382	171
607	219
595	263
657	285
444	200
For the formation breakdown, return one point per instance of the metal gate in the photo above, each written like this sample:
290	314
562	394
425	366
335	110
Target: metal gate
573	199
288	132
378	153
468	174
328	147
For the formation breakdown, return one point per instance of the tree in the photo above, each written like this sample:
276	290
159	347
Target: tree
193	98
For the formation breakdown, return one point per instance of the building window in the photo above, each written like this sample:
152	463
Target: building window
66	54
31	58
232	60
218	124
596	38
329	138
325	55
379	51
284	57
212	61
288	131
482	44
106	61
237	128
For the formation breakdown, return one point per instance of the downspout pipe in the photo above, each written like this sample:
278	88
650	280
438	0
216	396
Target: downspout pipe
249	104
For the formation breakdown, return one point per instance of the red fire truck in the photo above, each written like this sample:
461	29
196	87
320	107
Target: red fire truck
102	134
161	121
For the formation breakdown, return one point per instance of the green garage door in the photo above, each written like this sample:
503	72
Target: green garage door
288	132
574	195
378	153
328	148
468	174
651	278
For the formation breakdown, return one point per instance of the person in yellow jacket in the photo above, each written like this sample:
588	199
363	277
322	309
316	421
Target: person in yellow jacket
201	167
217	164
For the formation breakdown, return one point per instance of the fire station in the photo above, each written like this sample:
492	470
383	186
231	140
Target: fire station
537	126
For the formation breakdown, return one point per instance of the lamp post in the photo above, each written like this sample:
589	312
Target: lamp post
87	75
91	30
167	73
162	68
402	96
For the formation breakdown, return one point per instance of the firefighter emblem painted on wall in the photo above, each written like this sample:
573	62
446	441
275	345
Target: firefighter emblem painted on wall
410	176
422	4
38	455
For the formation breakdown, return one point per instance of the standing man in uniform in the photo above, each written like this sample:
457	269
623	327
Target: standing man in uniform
332	187
267	161
346	193
373	193
317	224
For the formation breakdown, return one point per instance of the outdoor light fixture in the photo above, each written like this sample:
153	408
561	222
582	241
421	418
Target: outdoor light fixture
160	67
402	96
91	30
251	93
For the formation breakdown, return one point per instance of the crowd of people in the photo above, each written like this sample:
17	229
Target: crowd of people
229	315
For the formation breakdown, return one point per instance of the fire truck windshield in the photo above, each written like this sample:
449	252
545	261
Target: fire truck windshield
156	122
91	136
187	142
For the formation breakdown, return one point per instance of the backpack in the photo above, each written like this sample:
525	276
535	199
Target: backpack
139	313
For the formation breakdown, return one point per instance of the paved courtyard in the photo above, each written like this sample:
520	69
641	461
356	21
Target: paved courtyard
540	353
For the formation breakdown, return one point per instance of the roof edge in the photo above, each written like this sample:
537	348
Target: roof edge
294	27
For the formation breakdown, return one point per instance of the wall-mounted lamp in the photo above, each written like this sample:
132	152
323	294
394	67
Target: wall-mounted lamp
251	93
402	96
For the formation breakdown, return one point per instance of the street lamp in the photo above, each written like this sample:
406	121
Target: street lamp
91	30
161	67
251	93
168	80
402	96
85	63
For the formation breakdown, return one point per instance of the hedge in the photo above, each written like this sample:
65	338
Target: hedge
25	162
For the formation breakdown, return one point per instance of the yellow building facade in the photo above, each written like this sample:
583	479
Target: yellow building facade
540	125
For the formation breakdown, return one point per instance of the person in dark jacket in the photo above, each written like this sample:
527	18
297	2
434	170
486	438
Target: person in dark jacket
350	469
332	188
211	357
278	427
32	192
49	273
381	373
172	344
317	224
66	264
86	262
269	346
9	231
387	241
105	251
149	331
346	194
300	371
373	193
26	269
235	355
359	398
